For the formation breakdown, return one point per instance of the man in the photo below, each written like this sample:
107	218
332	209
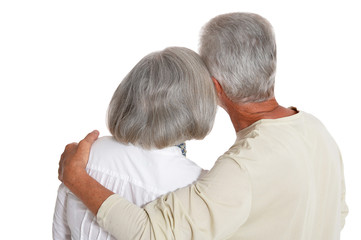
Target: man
282	179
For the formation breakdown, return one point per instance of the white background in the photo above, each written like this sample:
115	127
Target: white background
60	62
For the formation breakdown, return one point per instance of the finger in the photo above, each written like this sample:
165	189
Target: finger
60	164
60	173
60	167
85	144
91	137
70	146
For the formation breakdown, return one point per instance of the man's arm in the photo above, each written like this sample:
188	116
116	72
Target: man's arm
212	208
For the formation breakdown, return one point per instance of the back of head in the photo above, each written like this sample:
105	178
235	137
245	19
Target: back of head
167	98
239	50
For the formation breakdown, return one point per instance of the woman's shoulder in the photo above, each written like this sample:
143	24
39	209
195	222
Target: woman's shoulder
106	152
105	141
109	145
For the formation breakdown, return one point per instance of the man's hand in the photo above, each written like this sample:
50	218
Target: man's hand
75	158
73	174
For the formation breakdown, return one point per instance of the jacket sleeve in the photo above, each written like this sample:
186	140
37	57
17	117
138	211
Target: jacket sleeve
212	208
61	229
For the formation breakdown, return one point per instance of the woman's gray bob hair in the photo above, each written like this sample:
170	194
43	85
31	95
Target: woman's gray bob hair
167	98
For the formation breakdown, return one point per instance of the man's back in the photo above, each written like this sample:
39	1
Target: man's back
281	180
296	177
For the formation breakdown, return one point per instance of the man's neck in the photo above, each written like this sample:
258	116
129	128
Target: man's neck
245	114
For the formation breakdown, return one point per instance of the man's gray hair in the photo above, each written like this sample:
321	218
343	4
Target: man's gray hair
239	50
167	98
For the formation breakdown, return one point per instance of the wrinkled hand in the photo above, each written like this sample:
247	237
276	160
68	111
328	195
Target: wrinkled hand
75	158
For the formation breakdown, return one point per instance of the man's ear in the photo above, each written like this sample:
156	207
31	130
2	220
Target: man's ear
218	87
223	100
220	93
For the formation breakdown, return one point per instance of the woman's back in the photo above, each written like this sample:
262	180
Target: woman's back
166	99
137	174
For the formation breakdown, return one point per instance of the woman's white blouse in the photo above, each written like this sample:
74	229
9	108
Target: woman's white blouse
137	174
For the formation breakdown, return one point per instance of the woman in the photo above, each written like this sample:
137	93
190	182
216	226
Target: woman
166	99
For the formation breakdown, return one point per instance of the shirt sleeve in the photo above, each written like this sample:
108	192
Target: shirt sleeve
61	229
212	208
344	208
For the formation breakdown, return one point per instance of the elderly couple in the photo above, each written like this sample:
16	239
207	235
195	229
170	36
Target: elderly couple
281	179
